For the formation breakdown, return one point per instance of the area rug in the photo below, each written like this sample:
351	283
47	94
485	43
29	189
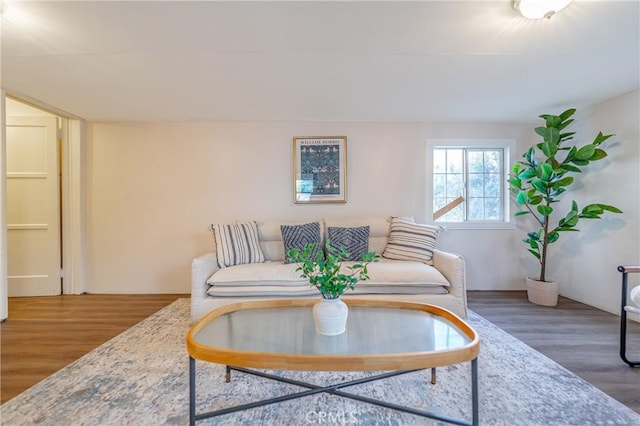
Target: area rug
141	378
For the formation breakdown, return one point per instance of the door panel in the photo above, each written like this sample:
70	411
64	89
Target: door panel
33	206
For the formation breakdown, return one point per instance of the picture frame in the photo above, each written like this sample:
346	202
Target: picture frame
319	169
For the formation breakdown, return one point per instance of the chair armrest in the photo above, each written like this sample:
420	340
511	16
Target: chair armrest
201	269
453	268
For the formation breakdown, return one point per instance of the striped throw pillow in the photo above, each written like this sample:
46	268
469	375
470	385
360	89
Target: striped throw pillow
411	241
237	244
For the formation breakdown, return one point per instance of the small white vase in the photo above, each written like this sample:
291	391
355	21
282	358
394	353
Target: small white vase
330	316
544	293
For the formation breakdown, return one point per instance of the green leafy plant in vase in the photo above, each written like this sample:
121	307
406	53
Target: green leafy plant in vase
544	174
326	273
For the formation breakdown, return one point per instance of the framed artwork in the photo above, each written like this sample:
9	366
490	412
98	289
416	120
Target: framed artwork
319	169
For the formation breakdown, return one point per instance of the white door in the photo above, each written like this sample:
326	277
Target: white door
33	206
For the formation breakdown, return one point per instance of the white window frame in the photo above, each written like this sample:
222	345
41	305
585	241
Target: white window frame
509	148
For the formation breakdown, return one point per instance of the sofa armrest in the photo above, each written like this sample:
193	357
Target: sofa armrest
453	268
201	269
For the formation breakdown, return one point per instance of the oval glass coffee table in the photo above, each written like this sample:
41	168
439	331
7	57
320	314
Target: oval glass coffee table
397	337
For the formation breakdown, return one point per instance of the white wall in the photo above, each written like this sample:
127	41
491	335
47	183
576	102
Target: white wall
589	272
154	188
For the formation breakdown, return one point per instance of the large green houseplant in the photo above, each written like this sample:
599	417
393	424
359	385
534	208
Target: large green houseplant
539	180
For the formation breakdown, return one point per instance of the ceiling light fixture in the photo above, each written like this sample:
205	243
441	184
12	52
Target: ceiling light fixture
538	9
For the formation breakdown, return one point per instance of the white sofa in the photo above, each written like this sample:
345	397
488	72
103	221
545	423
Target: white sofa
442	284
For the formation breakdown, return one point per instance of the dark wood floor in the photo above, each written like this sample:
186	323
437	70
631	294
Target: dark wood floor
582	339
44	334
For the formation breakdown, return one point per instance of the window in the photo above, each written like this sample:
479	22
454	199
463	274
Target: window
469	181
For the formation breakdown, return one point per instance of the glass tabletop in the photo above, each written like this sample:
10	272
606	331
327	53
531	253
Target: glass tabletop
370	331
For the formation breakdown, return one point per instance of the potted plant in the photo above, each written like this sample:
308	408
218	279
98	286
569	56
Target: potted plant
325	272
539	180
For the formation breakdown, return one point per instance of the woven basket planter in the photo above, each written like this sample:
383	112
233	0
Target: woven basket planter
543	293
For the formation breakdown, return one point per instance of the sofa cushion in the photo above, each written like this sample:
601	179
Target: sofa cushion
411	241
284	291
398	272
389	274
263	291
267	273
237	244
298	236
355	240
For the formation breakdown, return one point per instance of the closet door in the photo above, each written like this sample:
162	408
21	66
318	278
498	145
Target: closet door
33	206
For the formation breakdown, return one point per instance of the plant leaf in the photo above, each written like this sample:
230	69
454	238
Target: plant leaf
539	185
527	174
598	154
609	208
586	152
541	131
552	135
566	181
522	197
545	210
570	168
568	113
535	200
535	253
600	138
580	162
515	182
547	170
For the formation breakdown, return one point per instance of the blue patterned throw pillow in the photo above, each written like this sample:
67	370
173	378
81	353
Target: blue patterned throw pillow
297	236
354	240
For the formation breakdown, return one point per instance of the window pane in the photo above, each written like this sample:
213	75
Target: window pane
492	185
439	203
476	209
439	185
476	161
493	209
493	161
439	160
454	160
454	186
476	185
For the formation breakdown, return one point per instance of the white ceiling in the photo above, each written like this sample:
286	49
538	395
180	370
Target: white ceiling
472	61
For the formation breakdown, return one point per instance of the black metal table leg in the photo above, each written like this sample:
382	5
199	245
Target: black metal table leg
474	392
192	391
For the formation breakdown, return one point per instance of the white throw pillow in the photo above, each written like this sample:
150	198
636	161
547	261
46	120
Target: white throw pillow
237	244
411	241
